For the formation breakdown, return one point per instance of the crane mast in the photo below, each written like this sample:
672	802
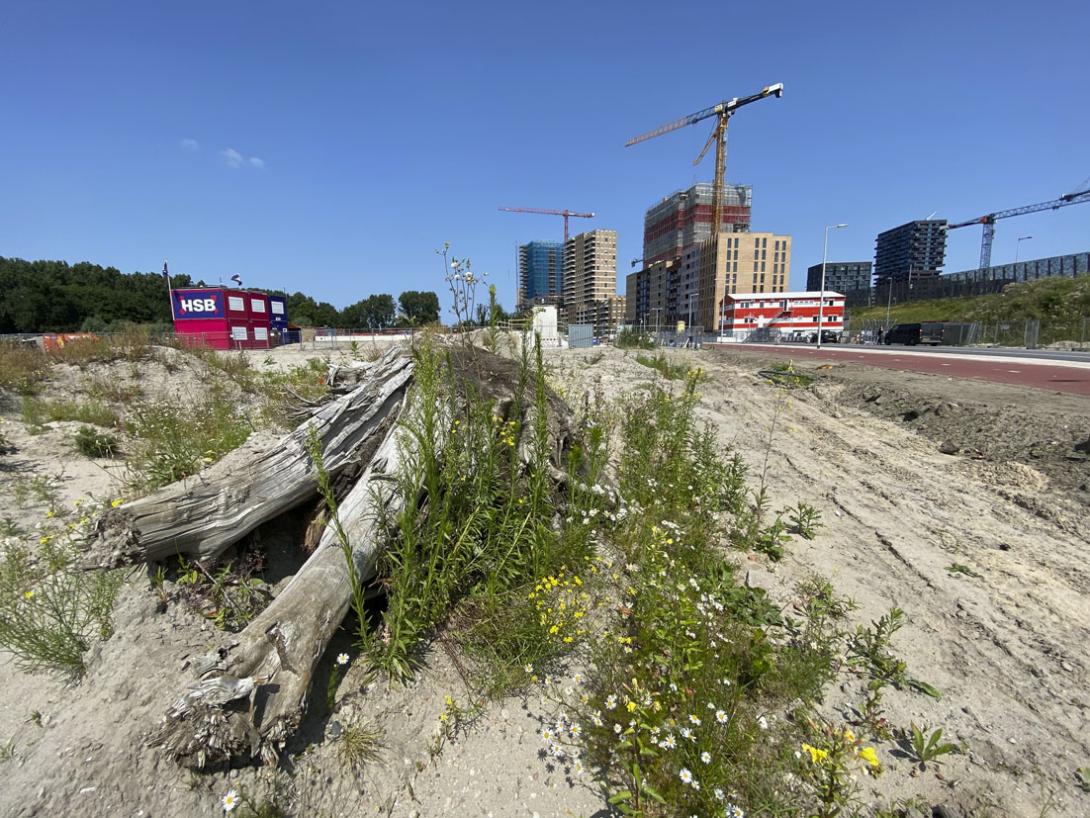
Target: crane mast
722	111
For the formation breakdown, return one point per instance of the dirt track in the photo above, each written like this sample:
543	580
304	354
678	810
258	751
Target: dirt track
1009	644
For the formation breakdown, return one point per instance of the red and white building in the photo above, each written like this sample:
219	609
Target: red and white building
741	315
220	318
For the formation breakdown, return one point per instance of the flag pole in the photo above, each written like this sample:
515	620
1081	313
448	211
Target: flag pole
170	292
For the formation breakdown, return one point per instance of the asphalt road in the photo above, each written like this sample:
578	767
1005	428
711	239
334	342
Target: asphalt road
1066	375
1005	352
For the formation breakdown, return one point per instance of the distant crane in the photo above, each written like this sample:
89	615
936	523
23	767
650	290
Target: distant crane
565	213
989	220
724	111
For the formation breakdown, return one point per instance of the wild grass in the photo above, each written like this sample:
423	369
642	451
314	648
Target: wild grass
131	343
22	368
37	412
670	371
173	440
360	745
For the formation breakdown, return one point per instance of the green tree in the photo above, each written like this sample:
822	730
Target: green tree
419	307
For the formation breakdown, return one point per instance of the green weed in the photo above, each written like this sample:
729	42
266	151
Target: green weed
1082	778
230	597
92	443
37	490
927	746
785	375
804	519
964	570
633	339
50	610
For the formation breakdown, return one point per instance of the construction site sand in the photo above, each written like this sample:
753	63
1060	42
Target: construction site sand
1008	647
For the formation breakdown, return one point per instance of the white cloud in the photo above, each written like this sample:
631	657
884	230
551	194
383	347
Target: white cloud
233	158
188	144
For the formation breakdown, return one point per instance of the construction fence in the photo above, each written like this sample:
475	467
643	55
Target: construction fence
970	283
1030	333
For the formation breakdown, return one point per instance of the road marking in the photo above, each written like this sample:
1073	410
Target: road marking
1014	370
946	364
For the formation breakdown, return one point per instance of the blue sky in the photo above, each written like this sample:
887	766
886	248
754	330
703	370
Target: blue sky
363	138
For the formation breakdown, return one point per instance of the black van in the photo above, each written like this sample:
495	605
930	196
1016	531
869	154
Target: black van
910	334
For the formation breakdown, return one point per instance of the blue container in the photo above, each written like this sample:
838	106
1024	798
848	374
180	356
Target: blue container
278	312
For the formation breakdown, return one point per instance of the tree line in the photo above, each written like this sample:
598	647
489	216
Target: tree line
54	296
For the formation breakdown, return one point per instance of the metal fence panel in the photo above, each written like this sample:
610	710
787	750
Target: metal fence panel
580	336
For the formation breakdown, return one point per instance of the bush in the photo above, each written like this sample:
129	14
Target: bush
50	609
91	443
632	339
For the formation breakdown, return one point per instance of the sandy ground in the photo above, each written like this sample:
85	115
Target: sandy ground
1007	646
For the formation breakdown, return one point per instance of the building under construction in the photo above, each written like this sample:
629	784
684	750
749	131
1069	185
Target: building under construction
684	219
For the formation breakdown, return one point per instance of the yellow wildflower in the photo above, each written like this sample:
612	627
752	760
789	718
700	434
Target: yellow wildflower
117	502
870	756
817	755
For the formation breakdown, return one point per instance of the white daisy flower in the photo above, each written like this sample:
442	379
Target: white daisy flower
706	757
685	776
230	801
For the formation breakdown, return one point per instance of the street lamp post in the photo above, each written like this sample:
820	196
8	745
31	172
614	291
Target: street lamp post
692	338
1018	246
821	298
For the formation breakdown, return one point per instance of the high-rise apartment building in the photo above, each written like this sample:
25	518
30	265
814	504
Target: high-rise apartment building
747	263
684	219
841	276
541	273
647	295
909	252
606	315
590	269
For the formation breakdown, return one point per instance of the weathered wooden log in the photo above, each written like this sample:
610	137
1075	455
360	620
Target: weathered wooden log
275	655
203	515
271	662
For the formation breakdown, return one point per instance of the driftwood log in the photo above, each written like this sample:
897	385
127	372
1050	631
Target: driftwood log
201	516
253	690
